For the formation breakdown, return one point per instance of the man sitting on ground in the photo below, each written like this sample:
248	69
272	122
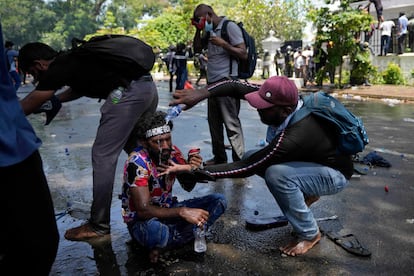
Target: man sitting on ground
155	219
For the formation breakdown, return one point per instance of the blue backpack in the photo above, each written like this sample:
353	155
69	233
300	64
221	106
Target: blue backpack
246	67
351	131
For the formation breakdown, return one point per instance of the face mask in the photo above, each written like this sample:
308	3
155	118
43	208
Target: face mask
208	27
199	22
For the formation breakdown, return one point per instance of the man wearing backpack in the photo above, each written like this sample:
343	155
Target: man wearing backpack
302	161
129	96
222	66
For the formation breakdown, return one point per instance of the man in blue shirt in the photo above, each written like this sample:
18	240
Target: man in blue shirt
402	32
23	189
12	55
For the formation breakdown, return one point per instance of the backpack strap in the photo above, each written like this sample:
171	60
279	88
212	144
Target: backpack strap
224	33
225	36
302	112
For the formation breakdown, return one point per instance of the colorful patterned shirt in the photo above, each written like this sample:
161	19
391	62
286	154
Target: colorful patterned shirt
141	171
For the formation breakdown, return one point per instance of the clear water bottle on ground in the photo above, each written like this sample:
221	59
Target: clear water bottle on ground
173	112
200	244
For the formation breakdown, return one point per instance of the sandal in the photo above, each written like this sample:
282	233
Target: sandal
349	242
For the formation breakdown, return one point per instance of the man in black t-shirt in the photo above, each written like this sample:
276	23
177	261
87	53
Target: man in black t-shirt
127	99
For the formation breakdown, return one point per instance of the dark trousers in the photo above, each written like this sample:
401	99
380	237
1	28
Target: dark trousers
117	121
28	234
203	74
223	115
401	42
385	44
171	81
411	39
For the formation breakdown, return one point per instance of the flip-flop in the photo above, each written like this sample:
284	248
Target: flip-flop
361	169
263	223
348	242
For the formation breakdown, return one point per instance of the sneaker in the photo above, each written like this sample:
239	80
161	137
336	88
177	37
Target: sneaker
83	233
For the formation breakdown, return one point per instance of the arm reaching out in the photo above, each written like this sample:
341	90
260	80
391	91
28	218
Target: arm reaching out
189	97
232	88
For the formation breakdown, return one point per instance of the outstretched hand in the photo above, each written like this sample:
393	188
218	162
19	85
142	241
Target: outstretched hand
172	167
189	97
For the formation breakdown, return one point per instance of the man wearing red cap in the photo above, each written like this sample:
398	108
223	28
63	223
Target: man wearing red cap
301	162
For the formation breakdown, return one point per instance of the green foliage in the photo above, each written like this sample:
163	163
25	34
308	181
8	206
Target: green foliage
127	12
341	28
167	29
361	64
376	77
25	20
285	18
346	76
393	74
158	22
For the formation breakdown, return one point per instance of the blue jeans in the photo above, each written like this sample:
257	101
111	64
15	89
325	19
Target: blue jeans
385	44
290	182
16	79
170	233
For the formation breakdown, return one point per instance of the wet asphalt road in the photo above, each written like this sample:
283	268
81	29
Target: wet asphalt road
382	221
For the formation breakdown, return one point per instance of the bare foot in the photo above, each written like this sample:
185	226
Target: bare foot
299	247
82	233
309	200
154	255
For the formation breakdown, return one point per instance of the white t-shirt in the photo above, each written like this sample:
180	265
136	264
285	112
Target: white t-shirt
386	27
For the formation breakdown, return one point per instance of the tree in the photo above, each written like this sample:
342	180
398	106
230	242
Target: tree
341	28
168	28
73	19
25	20
160	22
285	18
129	12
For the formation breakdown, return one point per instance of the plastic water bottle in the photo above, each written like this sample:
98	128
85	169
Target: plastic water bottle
116	95
173	112
200	244
261	143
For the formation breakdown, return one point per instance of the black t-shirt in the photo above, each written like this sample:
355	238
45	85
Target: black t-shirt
87	76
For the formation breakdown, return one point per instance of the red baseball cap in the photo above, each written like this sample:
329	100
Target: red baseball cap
274	91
